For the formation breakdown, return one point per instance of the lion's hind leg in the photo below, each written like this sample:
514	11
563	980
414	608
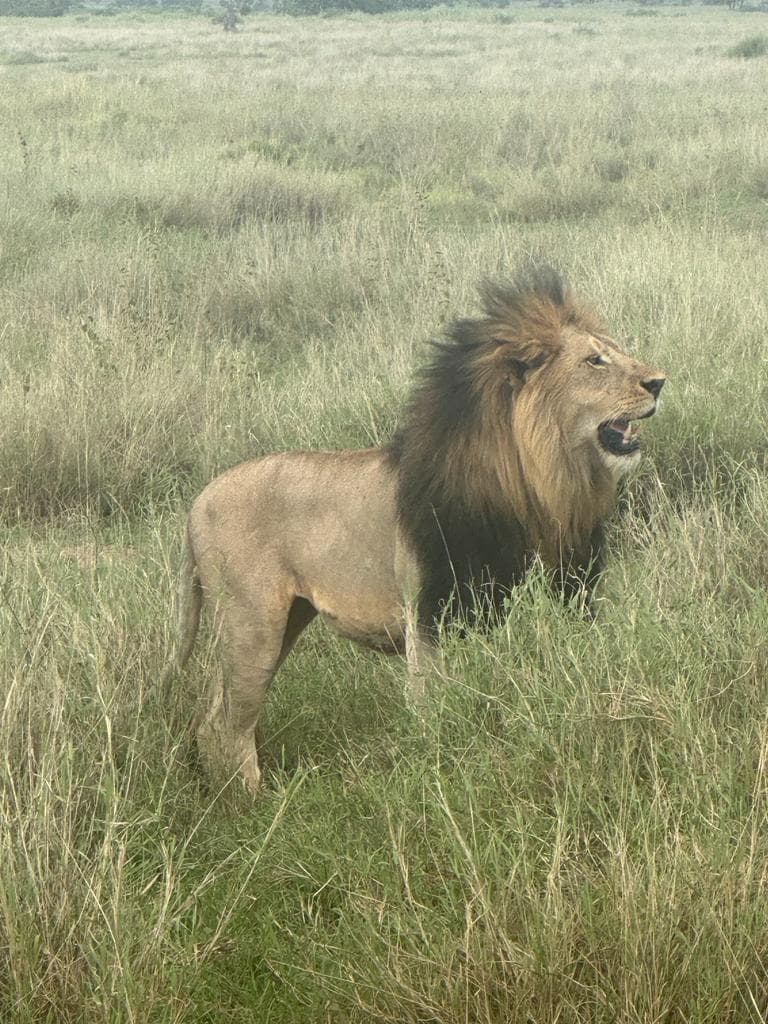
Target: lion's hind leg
258	636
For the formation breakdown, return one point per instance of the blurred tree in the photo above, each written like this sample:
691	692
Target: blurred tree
232	13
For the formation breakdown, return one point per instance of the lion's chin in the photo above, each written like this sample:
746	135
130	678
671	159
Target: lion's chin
619	465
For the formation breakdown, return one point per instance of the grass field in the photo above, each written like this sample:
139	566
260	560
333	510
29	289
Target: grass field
216	245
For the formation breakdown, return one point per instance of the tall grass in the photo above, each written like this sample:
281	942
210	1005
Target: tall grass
215	246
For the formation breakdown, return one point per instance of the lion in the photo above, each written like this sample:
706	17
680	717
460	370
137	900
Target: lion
508	453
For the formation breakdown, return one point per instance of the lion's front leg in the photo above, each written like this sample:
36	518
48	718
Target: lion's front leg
421	651
577	579
423	659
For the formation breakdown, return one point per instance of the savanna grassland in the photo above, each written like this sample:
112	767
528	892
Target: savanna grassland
216	245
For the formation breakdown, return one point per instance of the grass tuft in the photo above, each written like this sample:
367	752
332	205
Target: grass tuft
751	47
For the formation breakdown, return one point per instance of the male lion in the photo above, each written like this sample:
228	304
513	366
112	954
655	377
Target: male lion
509	450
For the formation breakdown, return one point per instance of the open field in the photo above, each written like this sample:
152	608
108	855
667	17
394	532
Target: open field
213	246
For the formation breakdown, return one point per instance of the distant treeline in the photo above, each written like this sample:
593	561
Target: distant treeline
54	8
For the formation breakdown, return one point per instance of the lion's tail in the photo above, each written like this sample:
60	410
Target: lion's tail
189	600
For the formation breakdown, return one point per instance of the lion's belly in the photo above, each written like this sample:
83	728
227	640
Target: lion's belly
374	621
391	641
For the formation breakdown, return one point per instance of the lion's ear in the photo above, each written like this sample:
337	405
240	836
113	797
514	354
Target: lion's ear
522	368
520	358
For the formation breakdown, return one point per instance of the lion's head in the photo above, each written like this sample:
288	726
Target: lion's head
526	416
572	394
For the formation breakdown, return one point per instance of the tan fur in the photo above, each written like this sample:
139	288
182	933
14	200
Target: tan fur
280	539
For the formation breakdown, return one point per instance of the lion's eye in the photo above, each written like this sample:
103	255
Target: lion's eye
596	361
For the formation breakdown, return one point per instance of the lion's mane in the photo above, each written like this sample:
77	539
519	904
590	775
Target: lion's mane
477	499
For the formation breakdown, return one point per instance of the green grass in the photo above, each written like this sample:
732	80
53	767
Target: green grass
216	245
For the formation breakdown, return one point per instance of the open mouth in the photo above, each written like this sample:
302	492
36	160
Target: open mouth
618	437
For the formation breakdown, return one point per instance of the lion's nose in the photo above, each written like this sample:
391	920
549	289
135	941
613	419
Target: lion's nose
654	385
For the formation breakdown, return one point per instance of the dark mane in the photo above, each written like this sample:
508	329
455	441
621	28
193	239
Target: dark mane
451	505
